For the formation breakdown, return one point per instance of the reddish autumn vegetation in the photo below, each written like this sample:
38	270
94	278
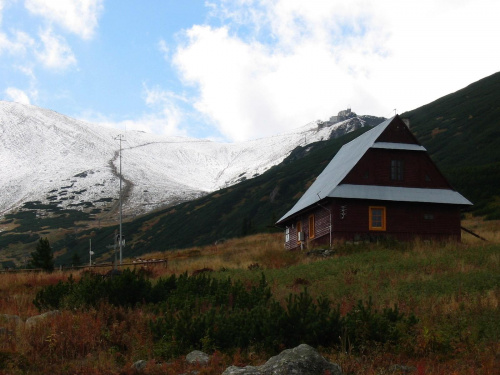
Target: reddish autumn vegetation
372	308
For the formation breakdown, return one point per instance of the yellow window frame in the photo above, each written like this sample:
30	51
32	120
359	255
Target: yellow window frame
377	218
312	232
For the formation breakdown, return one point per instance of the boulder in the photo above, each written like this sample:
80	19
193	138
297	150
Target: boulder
9	319
197	357
139	365
321	253
402	369
34	320
6	332
302	360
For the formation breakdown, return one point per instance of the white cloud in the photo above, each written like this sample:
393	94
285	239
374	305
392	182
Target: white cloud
163	47
18	45
165	117
252	90
17	95
168	115
56	53
307	60
27	70
77	16
1	10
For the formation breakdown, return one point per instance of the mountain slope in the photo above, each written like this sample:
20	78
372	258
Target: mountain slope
58	172
462	133
65	163
254	205
249	207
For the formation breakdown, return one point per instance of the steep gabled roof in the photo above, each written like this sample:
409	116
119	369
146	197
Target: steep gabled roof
328	183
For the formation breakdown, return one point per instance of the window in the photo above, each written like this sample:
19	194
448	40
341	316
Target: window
311	226
299	230
428	216
397	170
377	218
287	234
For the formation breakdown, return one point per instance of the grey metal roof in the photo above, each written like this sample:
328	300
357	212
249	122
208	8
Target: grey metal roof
327	183
398	146
401	194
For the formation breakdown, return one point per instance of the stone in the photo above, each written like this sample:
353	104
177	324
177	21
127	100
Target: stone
6	332
139	365
6	318
321	253
402	369
34	320
197	357
302	360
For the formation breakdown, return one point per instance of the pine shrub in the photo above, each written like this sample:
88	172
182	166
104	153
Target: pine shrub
204	313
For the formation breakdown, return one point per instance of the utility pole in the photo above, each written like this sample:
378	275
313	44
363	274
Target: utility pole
120	138
90	252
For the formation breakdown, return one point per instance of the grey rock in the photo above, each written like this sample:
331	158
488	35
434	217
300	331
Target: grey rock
302	360
6	318
197	356
139	365
402	368
321	253
248	370
6	332
34	320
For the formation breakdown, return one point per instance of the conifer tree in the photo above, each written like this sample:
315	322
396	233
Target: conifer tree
76	260
42	257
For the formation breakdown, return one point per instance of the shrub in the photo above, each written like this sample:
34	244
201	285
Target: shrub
127	289
201	312
365	325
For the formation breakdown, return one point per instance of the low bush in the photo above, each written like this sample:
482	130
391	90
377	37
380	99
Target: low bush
205	313
126	290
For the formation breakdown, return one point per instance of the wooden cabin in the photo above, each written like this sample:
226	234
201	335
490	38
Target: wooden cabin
381	184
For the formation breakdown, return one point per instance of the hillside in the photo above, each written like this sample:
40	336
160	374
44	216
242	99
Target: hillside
57	162
249	207
430	308
60	175
459	130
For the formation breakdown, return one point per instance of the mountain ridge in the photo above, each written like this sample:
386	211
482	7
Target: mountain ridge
255	204
53	159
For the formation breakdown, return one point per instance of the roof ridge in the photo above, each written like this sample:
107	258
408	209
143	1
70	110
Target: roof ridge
342	163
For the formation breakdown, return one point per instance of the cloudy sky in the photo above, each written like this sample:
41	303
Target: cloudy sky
240	69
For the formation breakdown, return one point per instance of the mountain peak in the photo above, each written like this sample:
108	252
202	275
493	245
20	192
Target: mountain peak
67	163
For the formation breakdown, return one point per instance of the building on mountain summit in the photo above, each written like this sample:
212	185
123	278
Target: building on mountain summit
381	184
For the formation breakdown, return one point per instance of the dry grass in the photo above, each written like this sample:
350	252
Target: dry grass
490	230
263	249
266	250
108	340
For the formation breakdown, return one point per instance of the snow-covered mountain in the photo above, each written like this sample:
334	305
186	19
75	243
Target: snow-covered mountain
54	159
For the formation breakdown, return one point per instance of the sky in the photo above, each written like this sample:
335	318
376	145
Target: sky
235	70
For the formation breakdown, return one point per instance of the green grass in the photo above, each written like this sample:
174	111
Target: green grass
442	285
452	289
460	131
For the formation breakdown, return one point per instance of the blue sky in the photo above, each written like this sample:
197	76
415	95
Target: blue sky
241	69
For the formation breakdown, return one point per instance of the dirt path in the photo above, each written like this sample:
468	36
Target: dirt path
127	186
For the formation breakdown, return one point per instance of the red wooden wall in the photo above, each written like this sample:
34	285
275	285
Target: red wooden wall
374	168
404	221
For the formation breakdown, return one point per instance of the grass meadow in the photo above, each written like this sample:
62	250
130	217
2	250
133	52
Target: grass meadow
452	289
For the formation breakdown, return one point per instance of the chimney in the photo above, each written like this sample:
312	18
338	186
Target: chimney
407	122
